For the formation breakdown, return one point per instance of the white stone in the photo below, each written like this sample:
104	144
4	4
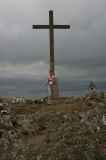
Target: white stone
104	120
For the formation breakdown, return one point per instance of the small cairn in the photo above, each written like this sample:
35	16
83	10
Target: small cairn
92	90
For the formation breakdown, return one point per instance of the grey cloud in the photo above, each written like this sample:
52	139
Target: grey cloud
81	50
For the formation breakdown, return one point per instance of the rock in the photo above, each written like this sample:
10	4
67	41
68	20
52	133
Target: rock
104	120
39	157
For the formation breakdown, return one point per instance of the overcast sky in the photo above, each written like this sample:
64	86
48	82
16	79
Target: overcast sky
80	53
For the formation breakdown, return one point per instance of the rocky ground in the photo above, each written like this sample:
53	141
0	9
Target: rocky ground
73	130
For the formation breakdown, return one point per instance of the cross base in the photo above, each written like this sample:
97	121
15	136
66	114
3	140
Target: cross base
55	89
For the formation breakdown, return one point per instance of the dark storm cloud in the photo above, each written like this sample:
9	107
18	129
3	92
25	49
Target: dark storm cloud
80	52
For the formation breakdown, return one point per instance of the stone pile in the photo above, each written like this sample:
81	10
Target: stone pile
55	135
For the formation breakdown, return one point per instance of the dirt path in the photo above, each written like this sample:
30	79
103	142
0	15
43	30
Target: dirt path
49	108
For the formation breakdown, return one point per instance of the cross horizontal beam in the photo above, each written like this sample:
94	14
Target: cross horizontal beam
50	26
40	26
61	26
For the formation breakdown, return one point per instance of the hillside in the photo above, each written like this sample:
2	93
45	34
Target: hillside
72	130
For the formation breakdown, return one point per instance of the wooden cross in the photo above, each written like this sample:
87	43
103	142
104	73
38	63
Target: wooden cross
51	28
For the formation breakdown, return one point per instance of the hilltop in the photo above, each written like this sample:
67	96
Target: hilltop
72	129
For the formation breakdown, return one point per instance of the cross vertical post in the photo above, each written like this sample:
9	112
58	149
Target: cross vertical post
51	34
